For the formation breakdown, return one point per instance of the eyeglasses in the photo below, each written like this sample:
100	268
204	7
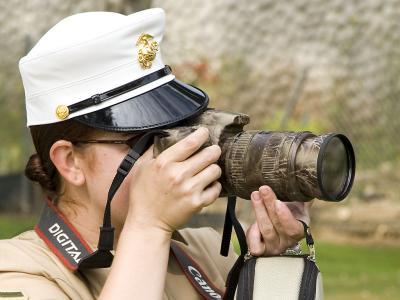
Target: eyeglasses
129	142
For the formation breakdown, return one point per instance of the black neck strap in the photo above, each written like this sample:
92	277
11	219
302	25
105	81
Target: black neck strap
65	241
231	220
102	257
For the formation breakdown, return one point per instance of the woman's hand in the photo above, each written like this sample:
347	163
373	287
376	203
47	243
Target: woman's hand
166	191
277	227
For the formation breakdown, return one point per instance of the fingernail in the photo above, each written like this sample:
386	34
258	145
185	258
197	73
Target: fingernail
255	196
265	190
204	129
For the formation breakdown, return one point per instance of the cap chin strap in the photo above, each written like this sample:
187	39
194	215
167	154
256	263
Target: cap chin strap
127	87
102	257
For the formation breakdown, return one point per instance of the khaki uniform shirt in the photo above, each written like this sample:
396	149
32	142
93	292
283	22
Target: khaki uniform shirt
30	270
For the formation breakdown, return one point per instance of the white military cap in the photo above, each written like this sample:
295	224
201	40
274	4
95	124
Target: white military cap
105	70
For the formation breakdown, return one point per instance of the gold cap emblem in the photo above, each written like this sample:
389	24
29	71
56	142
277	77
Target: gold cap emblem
147	50
62	112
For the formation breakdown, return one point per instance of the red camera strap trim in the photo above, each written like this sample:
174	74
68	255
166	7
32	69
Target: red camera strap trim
195	274
62	237
65	241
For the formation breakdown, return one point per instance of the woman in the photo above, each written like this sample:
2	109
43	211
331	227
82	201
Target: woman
94	84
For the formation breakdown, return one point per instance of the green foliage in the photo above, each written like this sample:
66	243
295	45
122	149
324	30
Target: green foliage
359	272
11	225
309	123
14	140
349	272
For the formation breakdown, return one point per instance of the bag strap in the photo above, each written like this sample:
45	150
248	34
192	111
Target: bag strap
309	241
197	277
231	220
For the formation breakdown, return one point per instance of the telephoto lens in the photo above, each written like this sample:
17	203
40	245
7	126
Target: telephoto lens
298	166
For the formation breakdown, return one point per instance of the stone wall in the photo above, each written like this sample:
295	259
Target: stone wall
316	65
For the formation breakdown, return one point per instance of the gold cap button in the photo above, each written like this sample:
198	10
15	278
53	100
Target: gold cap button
62	112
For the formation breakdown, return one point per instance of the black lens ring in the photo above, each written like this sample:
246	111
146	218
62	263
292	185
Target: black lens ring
351	162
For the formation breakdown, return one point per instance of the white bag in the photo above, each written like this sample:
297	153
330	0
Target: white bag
280	277
290	276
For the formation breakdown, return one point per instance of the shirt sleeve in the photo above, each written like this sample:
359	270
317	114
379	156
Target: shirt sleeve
19	286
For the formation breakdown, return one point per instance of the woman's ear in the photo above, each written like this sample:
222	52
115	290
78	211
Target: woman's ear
67	162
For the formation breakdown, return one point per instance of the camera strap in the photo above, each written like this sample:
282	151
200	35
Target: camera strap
195	274
66	242
69	246
232	221
61	236
102	257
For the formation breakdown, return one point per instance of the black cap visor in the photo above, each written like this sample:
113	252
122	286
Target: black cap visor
163	106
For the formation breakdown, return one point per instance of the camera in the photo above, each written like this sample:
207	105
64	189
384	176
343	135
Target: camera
298	166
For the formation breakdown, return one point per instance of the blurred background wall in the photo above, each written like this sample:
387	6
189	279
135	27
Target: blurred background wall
301	65
323	66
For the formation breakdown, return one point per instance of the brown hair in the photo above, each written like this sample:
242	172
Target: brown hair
39	167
